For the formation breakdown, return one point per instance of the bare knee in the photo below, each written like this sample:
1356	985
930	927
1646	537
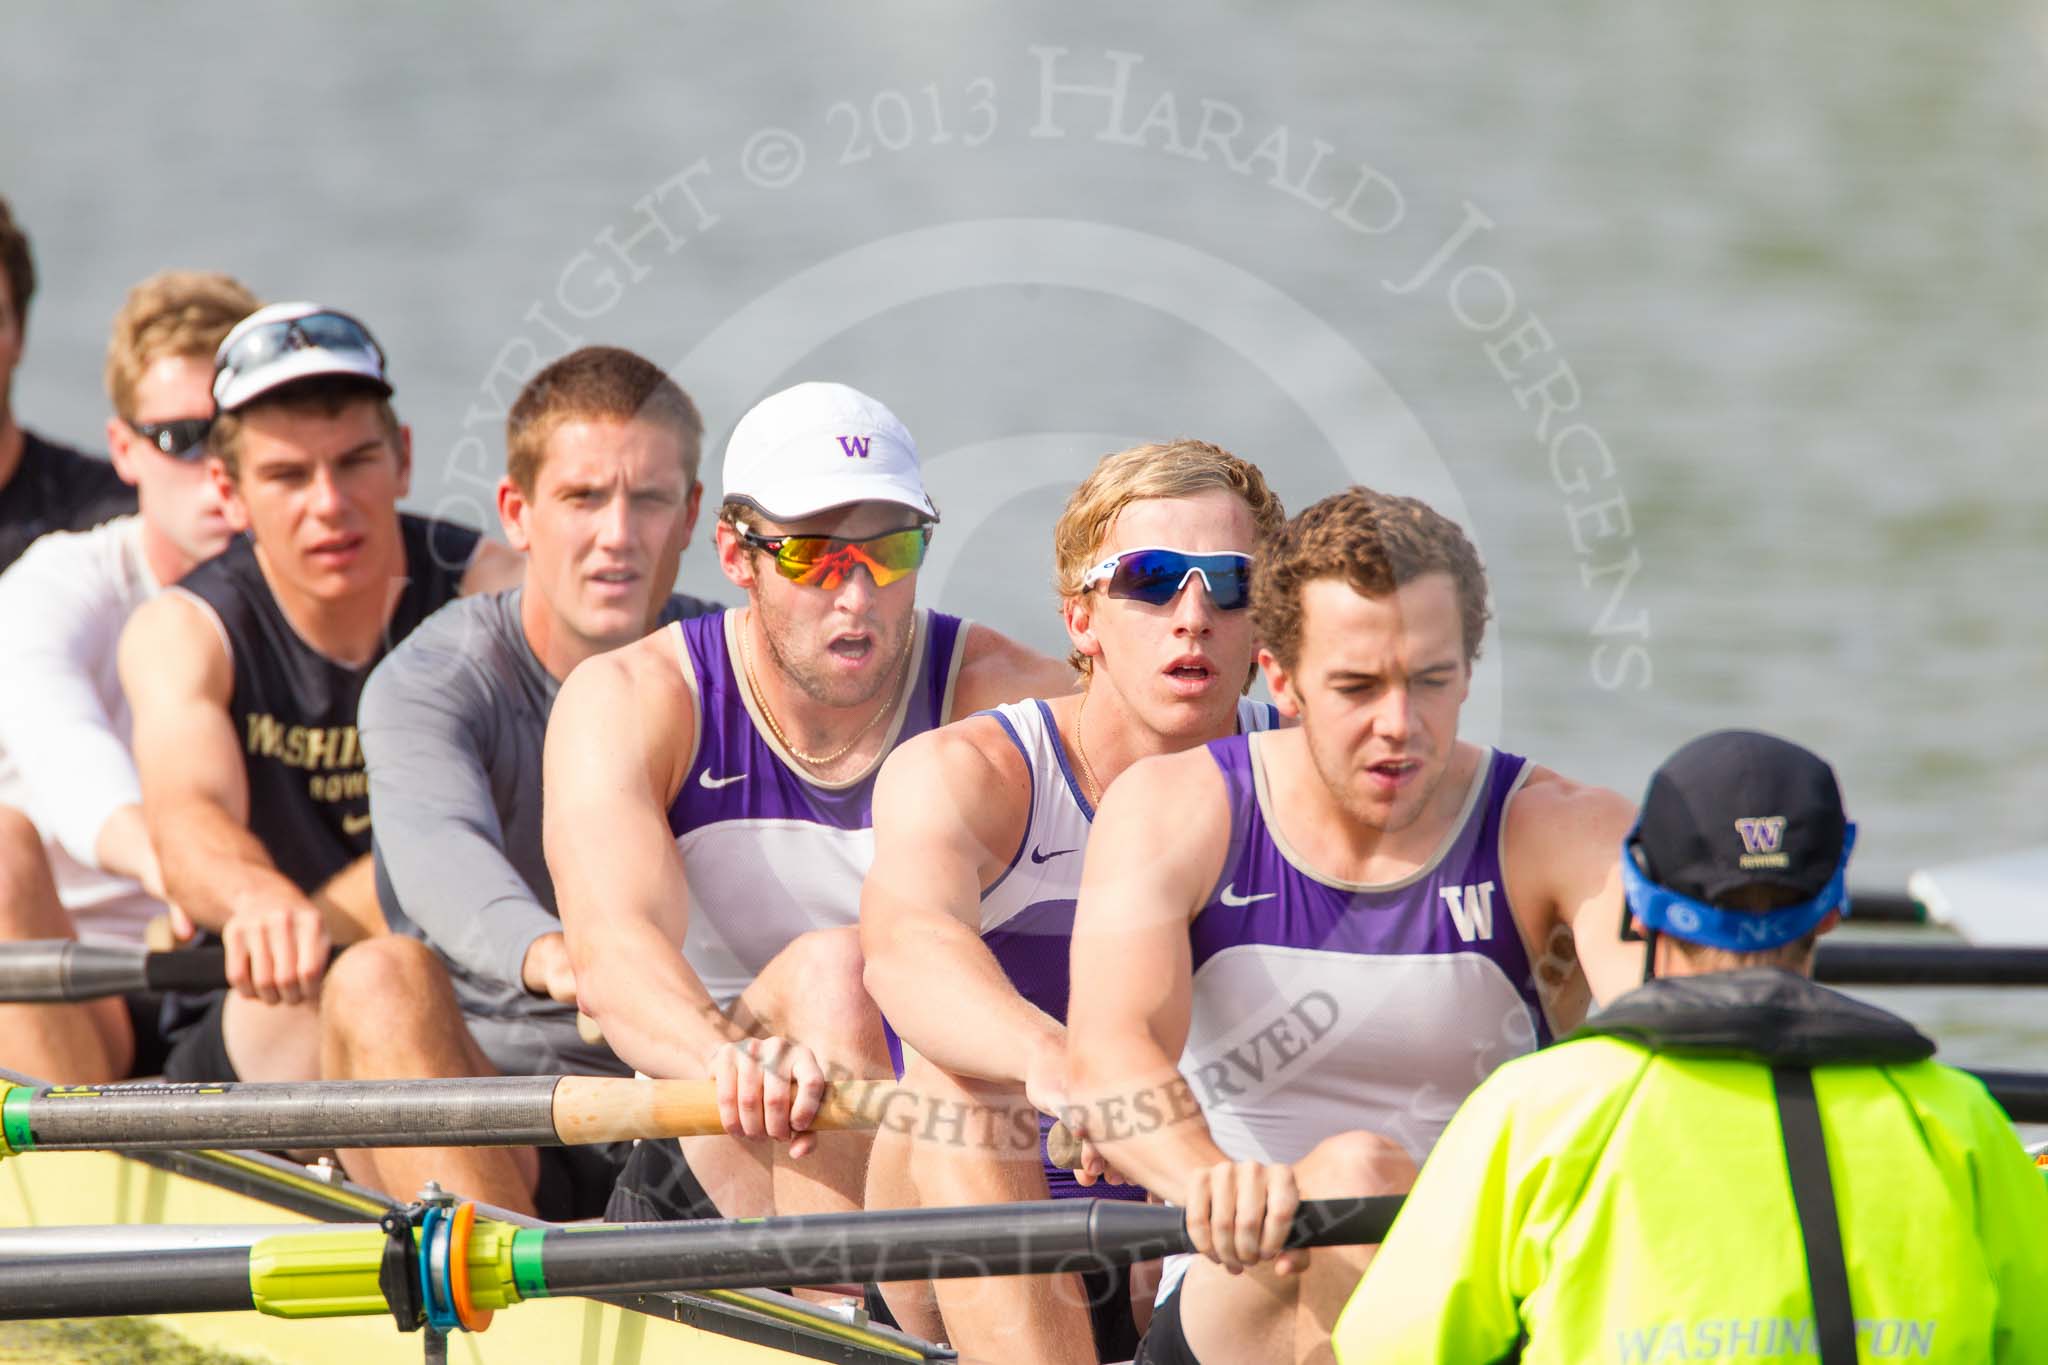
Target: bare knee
380	980
1355	1163
828	959
819	987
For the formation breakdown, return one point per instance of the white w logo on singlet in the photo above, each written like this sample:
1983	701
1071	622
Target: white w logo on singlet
1471	909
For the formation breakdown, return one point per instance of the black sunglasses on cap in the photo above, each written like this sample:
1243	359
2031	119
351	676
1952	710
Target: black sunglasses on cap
184	439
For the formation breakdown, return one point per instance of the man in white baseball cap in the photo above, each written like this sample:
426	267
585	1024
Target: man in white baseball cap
244	678
708	790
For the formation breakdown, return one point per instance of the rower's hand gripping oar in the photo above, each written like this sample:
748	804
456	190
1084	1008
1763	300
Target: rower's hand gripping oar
473	1266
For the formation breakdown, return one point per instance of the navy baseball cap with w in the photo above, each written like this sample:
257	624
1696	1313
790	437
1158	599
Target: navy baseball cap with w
1736	808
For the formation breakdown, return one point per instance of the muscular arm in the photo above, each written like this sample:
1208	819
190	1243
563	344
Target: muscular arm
1154	854
61	620
438	831
195	797
950	808
995	669
1563	856
195	793
123	847
619	742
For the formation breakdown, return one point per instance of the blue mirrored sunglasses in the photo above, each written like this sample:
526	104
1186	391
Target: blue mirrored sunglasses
1156	574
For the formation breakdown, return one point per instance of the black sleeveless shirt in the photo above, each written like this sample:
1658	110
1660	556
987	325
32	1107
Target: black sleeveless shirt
294	709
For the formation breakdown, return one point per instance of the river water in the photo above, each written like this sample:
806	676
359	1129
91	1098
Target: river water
1734	366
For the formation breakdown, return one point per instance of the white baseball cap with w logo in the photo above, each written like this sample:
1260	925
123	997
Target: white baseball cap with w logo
814	447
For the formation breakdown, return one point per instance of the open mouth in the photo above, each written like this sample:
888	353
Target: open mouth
1190	668
852	648
1394	770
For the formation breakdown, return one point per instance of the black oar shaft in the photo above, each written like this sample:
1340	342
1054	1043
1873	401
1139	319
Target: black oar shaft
56	970
2022	1094
63	971
1001	1239
1886	907
490	1111
1005	1239
120	1283
1936	964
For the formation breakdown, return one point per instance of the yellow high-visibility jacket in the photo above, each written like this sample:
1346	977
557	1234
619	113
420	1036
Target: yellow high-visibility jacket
1624	1197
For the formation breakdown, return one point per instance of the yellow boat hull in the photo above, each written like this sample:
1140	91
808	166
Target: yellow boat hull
72	1189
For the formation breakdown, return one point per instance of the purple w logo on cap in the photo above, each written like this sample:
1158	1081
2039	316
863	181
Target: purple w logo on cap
854	445
1761	833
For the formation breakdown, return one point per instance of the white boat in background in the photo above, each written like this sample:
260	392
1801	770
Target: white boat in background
2001	900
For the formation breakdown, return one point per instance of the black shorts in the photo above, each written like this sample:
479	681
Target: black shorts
577	1182
1109	1312
657	1186
145	1021
198	1051
1166	1342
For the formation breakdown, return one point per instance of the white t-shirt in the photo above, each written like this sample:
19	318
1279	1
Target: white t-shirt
65	746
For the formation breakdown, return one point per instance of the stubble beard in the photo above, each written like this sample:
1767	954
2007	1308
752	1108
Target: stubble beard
1340	778
812	676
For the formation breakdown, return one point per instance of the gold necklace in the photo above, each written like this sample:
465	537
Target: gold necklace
1087	769
816	760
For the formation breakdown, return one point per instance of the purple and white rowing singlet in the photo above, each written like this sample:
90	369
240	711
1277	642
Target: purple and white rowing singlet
769	852
1323	1006
1027	913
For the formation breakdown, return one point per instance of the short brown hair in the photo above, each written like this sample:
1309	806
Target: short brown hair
172	313
596	382
1374	541
325	395
19	265
1172	469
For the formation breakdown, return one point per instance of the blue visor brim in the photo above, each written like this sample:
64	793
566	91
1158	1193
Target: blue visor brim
1736	931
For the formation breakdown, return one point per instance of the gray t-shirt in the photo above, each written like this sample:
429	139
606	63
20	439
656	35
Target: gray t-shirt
451	724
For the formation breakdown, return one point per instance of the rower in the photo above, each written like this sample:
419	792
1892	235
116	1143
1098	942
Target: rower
979	835
44	486
601	493
244	678
1335	930
75	859
1729	1160
707	819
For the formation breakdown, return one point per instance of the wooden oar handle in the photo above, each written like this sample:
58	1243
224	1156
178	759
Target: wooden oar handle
606	1109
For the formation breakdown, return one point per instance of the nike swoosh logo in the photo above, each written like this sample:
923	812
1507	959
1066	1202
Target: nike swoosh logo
353	825
1038	857
712	784
1230	896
